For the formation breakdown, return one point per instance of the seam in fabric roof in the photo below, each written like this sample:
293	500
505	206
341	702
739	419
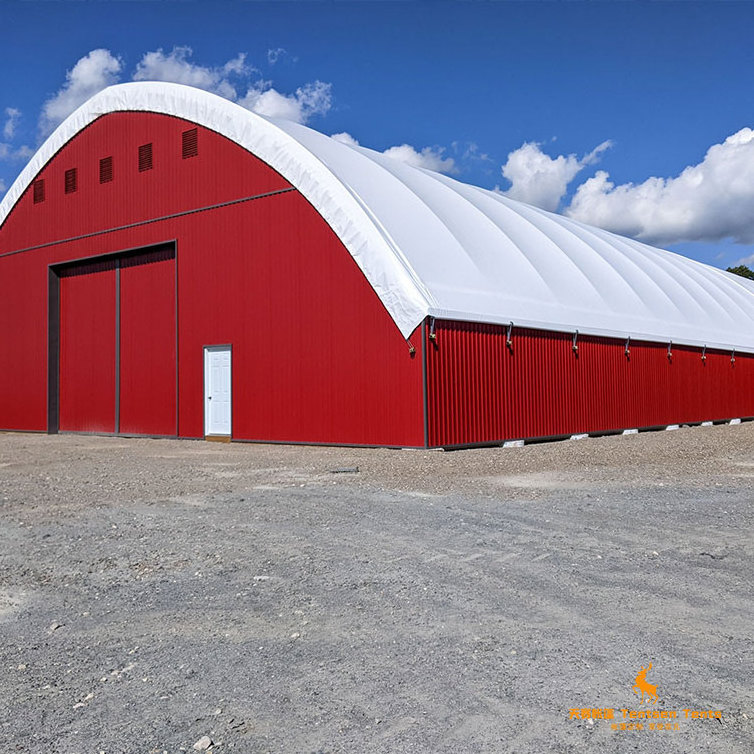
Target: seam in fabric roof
579	250
471	196
539	258
396	249
448	217
663	265
409	176
517	210
731	300
627	253
656	258
625	267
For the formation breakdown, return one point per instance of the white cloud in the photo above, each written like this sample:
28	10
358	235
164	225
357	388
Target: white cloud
274	55
93	72
430	158
747	261
470	152
231	78
536	178
100	68
345	138
238	65
12	115
594	156
706	202
308	100
176	67
315	98
8	152
3	187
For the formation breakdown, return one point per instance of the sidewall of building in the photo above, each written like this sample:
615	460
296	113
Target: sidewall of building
484	390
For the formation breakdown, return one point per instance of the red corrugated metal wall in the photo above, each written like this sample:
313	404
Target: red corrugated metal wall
316	358
23	344
88	348
480	391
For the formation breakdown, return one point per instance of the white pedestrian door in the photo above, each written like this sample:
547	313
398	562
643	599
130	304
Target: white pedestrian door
217	393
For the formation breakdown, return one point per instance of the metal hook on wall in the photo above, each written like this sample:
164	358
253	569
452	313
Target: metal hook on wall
670	351
575	345
509	337
704	352
627	349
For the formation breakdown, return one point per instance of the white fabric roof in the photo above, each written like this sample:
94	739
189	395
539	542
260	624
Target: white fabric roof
430	245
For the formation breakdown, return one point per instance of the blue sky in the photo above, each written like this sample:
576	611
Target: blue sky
576	107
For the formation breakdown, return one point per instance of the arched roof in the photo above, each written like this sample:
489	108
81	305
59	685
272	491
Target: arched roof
431	245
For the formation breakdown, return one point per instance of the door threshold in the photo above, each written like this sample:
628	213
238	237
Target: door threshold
217	438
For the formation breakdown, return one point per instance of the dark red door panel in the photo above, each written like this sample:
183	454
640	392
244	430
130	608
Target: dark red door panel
147	344
87	348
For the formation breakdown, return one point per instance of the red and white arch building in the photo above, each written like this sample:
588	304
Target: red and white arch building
166	248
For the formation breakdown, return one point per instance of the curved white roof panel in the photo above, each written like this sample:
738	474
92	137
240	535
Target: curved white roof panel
430	245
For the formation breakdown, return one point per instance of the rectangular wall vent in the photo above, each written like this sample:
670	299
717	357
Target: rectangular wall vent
145	157
71	180
190	144
39	190
106	170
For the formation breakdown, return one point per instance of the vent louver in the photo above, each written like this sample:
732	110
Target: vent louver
145	157
39	191
71	181
106	170
190	143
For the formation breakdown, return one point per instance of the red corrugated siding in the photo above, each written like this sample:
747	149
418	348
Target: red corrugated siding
479	391
87	349
221	172
147	345
23	339
316	358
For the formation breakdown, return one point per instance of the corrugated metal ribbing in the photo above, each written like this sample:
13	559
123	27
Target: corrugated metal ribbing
316	356
480	391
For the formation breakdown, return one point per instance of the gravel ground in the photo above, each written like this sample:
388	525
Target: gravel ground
154	592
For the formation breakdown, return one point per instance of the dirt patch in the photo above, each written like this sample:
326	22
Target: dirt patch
11	602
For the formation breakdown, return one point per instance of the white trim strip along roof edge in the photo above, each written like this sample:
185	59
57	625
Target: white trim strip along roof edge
428	251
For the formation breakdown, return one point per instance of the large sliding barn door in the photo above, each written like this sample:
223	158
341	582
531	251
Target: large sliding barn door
117	345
